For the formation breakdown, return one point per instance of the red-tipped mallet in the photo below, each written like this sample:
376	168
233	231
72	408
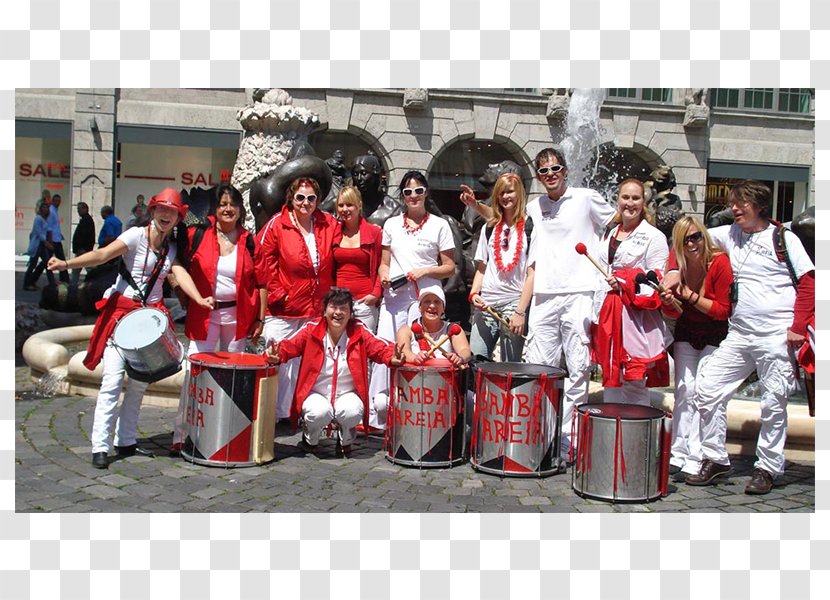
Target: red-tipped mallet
581	249
455	329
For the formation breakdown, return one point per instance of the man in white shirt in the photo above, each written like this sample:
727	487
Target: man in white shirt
771	307
564	282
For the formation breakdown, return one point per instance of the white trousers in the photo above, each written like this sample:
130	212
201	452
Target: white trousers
221	332
394	313
560	324
108	414
318	412
719	376
368	315
274	330
685	445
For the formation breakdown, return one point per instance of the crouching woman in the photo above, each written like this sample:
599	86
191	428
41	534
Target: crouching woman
333	380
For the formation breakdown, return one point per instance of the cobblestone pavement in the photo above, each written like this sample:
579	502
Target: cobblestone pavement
54	474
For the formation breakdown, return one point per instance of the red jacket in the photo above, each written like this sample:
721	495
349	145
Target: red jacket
361	347
608	344
203	272
284	264
371	237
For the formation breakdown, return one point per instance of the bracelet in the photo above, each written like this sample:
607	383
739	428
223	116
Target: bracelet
470	297
258	321
521	314
65	265
696	299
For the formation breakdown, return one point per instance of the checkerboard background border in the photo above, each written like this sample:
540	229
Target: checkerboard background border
412	43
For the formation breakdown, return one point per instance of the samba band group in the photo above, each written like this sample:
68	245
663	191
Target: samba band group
352	316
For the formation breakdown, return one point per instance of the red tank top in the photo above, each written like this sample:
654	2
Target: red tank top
352	266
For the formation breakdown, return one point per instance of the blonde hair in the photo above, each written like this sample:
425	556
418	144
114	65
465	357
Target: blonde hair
504	180
648	210
350	195
679	233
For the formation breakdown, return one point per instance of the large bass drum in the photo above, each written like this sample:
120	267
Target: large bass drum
231	409
425	424
518	420
622	452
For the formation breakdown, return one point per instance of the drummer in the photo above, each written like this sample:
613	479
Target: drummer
417	339
148	254
333	380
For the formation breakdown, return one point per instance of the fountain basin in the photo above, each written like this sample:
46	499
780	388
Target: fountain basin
45	353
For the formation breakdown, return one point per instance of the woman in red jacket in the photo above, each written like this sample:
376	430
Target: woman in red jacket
333	380
295	261
221	263
357	253
705	279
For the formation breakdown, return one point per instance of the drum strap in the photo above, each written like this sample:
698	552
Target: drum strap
154	274
619	455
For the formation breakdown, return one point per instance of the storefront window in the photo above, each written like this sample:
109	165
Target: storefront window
42	162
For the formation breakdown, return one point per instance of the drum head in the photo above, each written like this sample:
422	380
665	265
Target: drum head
140	328
233	360
612	410
515	368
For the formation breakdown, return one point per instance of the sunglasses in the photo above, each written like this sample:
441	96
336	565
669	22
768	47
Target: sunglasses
695	237
550	169
312	198
417	191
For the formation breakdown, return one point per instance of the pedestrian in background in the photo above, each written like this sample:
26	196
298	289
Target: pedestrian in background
111	228
54	237
37	251
83	240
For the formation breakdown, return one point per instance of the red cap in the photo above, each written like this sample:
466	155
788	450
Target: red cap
171	199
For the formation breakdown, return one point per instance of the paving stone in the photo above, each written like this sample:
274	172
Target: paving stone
534	500
103	491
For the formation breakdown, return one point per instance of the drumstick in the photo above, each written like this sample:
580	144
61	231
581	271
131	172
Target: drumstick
419	332
500	318
455	329
642	278
581	249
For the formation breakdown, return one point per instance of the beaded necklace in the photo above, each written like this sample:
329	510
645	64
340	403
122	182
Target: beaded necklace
502	229
413	230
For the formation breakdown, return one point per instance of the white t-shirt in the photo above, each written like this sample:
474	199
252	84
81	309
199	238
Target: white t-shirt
335	358
415	250
645	248
140	261
580	215
766	295
500	287
226	278
644	332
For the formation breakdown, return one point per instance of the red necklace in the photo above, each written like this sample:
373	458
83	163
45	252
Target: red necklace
413	230
497	244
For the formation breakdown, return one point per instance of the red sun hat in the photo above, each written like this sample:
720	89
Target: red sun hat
171	199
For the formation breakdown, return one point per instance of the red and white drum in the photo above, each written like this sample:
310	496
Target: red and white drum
622	452
425	423
518	420
230	412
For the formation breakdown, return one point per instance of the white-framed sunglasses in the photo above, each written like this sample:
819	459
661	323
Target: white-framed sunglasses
302	198
550	169
417	191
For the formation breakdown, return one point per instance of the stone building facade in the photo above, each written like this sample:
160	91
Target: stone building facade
105	146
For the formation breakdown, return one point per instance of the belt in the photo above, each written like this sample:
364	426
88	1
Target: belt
220	305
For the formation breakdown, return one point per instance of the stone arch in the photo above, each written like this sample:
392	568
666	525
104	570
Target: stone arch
615	164
448	171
